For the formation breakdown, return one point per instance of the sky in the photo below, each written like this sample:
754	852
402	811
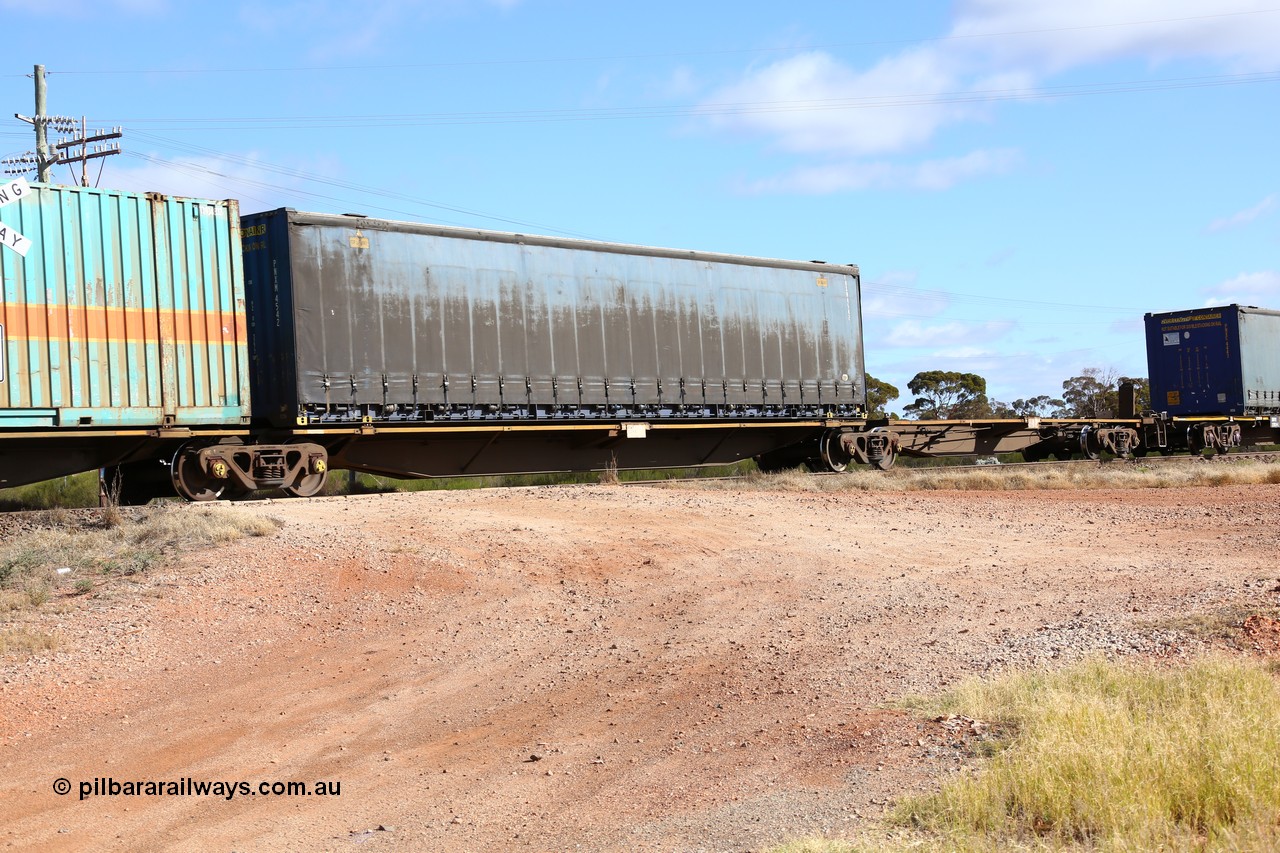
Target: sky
1018	180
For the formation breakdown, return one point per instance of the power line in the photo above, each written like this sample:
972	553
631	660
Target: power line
198	170
363	189
731	108
663	55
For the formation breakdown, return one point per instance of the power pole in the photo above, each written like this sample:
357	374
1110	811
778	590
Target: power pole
42	138
86	154
44	158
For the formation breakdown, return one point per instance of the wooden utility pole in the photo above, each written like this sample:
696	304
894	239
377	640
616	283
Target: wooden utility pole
42	138
64	151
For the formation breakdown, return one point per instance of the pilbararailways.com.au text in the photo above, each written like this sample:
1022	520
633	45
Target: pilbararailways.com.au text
188	787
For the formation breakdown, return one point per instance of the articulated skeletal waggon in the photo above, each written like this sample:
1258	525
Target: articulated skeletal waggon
182	349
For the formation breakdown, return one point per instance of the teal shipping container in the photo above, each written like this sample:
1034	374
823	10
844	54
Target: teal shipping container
120	310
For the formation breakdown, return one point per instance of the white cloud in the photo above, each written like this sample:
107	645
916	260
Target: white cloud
940	174
894	294
913	333
1244	217
1247	289
257	186
1054	37
944	174
966	352
680	84
813	104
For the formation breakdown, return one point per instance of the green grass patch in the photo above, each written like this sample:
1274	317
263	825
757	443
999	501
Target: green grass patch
80	490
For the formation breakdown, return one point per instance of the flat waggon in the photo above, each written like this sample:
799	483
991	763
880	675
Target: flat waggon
180	348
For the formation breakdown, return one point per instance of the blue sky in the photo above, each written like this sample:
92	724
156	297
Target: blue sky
1019	180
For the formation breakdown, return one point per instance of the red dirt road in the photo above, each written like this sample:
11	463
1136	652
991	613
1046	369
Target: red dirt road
596	668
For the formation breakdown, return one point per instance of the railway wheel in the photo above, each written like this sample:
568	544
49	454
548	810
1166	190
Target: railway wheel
309	484
833	455
1089	444
882	449
190	479
1195	440
308	487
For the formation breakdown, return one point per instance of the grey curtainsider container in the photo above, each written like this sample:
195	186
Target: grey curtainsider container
1215	361
357	319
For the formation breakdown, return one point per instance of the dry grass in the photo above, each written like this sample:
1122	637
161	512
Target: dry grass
995	478
1221	627
818	845
111	546
1106	757
1121	757
22	640
609	476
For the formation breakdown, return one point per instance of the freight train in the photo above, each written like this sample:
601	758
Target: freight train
180	348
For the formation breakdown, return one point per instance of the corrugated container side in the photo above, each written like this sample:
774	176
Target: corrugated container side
1259	331
390	317
127	310
1223	360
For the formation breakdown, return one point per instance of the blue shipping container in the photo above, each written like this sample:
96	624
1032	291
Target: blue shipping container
1215	361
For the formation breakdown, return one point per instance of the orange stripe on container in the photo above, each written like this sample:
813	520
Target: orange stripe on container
101	323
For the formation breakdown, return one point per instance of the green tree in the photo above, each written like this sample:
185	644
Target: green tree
879	393
1086	395
947	395
1001	409
1095	393
1143	388
1042	406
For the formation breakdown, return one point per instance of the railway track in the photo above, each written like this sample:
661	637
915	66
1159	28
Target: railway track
1155	459
1268	457
41	517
